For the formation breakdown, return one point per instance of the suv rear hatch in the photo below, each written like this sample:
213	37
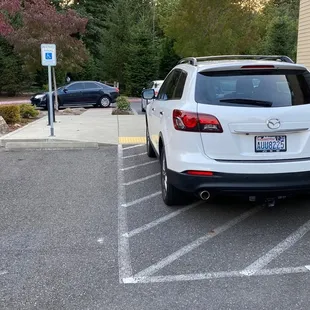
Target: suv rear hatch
264	112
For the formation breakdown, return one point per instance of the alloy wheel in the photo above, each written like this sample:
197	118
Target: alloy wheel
105	102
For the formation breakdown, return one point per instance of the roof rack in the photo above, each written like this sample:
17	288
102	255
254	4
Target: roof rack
194	60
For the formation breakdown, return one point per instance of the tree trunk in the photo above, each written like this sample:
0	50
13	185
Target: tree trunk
55	88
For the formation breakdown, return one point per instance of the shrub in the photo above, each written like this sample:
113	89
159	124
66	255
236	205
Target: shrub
28	111
10	113
123	104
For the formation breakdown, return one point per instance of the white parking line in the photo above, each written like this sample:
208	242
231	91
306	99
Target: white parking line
132	203
277	250
136	155
132	147
143	179
124	261
3	273
140	165
161	220
195	244
214	275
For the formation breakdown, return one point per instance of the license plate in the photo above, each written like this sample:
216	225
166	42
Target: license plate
270	144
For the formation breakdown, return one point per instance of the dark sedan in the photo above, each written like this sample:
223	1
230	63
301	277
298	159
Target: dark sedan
82	93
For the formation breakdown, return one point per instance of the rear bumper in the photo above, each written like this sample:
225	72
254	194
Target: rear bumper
114	96
243	184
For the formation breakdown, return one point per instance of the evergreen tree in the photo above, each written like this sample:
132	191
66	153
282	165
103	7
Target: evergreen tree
142	64
121	15
12	75
95	11
168	58
279	24
280	37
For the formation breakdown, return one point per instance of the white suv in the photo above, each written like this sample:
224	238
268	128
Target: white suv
231	125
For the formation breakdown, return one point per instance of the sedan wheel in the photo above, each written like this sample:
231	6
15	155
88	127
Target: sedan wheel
104	102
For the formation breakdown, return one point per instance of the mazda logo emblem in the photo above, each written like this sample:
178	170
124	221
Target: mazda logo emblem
273	123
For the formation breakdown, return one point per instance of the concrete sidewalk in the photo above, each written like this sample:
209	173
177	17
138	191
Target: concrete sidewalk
93	128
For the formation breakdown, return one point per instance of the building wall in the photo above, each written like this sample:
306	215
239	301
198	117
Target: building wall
303	48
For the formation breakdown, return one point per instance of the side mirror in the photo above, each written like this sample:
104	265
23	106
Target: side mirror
65	90
148	94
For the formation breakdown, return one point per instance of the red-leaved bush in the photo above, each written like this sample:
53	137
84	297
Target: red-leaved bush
42	23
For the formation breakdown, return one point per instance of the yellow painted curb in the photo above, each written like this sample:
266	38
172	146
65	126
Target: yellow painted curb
131	140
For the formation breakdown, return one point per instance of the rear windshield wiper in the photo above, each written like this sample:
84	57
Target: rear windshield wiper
249	101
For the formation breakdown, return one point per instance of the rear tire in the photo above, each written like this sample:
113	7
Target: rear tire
149	147
170	194
104	102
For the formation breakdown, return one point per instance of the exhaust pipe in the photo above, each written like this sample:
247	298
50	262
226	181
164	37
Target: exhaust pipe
205	195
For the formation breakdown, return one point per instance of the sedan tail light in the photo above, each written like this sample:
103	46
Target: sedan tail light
190	121
117	89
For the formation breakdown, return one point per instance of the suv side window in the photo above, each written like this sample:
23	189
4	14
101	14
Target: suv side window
168	88
180	86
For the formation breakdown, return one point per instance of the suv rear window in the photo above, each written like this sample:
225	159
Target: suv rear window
278	88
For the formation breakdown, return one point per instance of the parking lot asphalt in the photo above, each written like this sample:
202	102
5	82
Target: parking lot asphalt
136	107
88	230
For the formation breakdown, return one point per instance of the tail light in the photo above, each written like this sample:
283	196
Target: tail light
189	121
156	93
117	89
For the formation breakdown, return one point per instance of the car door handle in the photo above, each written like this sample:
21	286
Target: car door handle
153	109
161	113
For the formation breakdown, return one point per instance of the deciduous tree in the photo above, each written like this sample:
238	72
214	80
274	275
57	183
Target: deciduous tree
42	23
211	27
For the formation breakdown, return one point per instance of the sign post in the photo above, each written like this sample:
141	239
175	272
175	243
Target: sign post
48	57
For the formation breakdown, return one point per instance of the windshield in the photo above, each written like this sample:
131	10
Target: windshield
243	88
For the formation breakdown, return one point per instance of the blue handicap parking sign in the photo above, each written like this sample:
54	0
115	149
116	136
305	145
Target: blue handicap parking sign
48	56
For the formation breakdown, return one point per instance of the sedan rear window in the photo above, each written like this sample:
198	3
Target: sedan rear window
261	88
75	86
